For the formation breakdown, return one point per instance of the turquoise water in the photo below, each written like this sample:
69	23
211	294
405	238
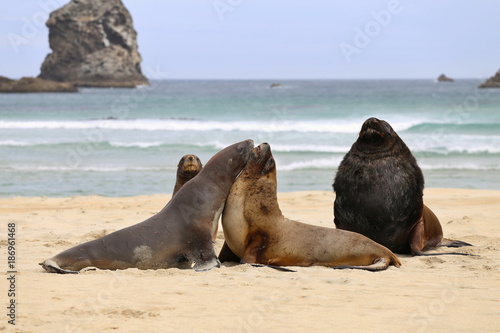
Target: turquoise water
121	142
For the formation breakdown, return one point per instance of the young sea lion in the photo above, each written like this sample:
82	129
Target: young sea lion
379	189
188	167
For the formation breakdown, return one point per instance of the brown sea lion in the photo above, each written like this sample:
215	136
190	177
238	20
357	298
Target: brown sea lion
188	167
257	232
378	193
180	235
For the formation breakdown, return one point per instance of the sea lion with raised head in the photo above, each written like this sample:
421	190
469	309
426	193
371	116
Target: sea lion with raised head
379	193
188	167
257	232
180	235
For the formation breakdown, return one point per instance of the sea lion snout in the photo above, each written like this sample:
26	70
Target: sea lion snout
376	126
262	152
375	134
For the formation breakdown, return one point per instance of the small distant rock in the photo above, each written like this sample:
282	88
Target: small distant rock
492	82
275	85
444	78
31	84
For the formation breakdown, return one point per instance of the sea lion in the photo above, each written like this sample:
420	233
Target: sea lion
258	233
379	193
188	167
180	235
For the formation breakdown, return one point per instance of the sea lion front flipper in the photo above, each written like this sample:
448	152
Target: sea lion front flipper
379	265
226	254
428	234
206	265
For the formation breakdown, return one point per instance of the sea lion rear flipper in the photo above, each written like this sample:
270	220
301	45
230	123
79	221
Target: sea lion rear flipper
52	267
278	268
453	243
379	265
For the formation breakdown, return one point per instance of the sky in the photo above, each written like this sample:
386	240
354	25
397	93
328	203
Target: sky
284	39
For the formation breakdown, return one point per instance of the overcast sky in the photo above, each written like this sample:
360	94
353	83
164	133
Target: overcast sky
284	39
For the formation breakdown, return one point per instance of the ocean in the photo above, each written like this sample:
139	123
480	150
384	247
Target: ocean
125	142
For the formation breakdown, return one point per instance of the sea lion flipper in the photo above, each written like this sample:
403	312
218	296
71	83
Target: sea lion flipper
52	267
278	268
422	254
417	238
206	265
379	265
453	243
226	254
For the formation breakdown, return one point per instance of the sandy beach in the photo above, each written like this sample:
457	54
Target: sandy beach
426	294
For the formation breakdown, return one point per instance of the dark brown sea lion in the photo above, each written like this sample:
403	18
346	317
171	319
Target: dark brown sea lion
180	235
188	167
258	233
379	189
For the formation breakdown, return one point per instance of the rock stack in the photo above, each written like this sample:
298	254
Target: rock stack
93	44
444	78
492	82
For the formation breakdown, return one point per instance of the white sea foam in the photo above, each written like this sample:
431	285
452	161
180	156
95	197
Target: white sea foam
320	163
136	144
302	126
462	166
310	148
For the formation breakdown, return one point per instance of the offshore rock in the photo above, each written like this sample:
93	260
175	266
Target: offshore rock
444	78
492	82
31	84
93	44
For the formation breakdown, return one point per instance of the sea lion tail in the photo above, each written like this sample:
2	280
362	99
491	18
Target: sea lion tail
52	267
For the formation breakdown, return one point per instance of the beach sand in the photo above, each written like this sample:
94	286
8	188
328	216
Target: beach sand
442	293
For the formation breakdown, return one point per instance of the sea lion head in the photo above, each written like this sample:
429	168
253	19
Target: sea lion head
239	154
376	136
257	184
227	164
261	162
189	166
